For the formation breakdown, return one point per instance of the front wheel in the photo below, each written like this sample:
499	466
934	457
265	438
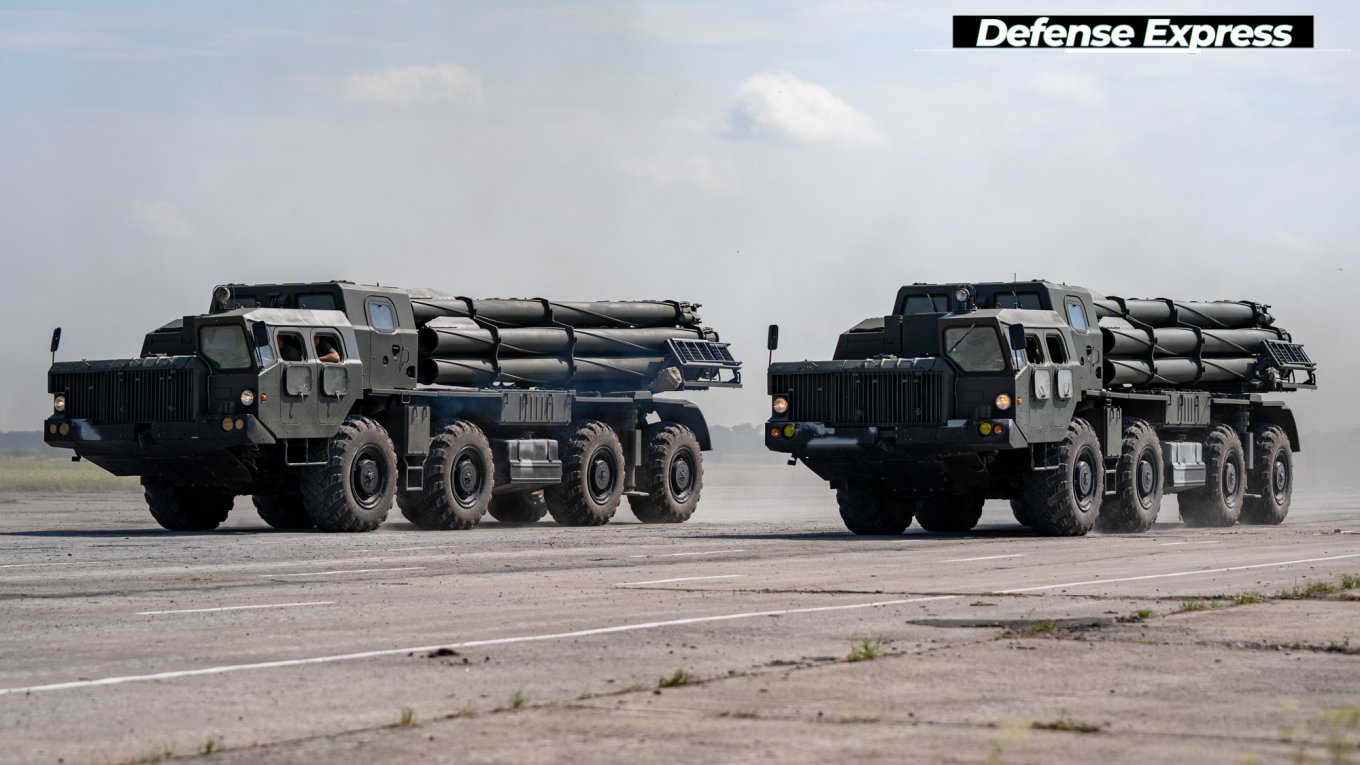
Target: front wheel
282	511
872	507
1061	496
184	508
354	489
948	515
672	475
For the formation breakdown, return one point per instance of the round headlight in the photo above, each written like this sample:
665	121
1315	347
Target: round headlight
962	294
1003	401
780	405
59	402
247	397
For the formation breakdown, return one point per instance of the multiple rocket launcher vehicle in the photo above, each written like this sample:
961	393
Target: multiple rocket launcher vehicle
452	407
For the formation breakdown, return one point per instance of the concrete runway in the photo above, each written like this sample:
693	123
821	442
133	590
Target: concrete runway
536	644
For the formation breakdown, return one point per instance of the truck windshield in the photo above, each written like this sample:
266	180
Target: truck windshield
974	348
224	346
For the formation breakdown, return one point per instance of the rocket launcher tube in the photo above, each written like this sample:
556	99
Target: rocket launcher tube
1223	314
1176	341
537	312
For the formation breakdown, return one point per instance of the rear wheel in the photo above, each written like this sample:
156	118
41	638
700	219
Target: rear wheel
458	477
518	507
354	489
592	477
872	507
1271	478
950	514
183	508
1135	506
1061	497
282	510
1219	501
672	475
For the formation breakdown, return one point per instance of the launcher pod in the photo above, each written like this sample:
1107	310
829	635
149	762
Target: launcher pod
1082	410
330	402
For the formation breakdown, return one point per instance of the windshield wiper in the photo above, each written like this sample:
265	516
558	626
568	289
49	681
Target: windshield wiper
950	352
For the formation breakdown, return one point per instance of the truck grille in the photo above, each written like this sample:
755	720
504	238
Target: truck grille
864	397
127	395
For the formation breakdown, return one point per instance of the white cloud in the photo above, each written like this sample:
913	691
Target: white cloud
161	220
702	172
1079	89
415	84
1288	240
781	106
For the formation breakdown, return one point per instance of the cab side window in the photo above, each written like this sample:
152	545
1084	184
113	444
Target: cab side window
1076	315
381	315
1057	349
290	347
1033	352
329	349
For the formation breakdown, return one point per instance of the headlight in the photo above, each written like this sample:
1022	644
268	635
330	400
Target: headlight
1003	401
962	294
59	403
248	397
780	405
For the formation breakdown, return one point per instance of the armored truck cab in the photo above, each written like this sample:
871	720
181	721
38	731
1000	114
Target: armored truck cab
310	398
1081	410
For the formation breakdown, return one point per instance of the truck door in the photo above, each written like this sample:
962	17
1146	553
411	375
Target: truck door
1038	418
1064	369
300	369
338	376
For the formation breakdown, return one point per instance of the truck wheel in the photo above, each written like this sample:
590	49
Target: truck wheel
1064	499
518	507
282	511
1135	506
592	477
872	507
1272	477
948	514
672	475
459	475
353	490
1219	501
1018	510
181	508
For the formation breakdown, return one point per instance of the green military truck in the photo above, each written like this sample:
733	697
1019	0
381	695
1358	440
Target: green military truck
1082	410
328	402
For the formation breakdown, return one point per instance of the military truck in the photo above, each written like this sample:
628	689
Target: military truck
328	402
1082	410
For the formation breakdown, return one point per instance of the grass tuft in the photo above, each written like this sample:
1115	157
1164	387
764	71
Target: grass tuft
1247	598
740	714
209	746
518	701
865	650
676	679
407	717
1067	726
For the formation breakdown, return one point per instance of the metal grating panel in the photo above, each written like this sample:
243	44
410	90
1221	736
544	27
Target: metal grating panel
864	397
702	352
130	395
1288	355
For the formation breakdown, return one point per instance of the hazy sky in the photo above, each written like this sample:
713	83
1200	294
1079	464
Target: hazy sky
777	162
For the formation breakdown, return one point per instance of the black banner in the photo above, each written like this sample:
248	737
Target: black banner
1115	32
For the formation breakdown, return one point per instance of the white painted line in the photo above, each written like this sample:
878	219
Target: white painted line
681	579
1180	573
238	608
985	557
1173	544
469	644
677	555
71	563
431	547
346	571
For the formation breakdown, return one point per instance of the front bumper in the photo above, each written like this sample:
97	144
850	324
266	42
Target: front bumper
156	439
953	437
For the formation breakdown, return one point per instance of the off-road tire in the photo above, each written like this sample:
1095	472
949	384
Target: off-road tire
518	507
949	514
183	508
1271	478
354	489
1018	510
672	475
873	508
1140	477
592	476
1219	501
282	511
1065	501
458	478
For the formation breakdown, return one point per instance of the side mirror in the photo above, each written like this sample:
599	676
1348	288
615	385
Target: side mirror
1016	334
259	332
771	338
56	339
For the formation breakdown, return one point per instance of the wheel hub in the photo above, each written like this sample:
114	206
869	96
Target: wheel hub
1146	479
1085	478
467	476
1280	477
601	477
1230	479
368	476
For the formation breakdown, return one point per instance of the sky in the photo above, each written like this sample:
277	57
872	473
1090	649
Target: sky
781	162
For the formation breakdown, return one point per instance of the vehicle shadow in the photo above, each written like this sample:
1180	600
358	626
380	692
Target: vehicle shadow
910	535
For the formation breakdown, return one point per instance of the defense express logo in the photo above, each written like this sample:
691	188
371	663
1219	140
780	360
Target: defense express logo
1185	32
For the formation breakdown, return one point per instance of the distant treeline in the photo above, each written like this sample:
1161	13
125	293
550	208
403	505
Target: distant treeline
21	439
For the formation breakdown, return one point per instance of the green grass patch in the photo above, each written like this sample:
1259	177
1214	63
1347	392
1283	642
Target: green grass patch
676	679
31	470
518	701
407	717
740	714
865	650
1066	725
1247	598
